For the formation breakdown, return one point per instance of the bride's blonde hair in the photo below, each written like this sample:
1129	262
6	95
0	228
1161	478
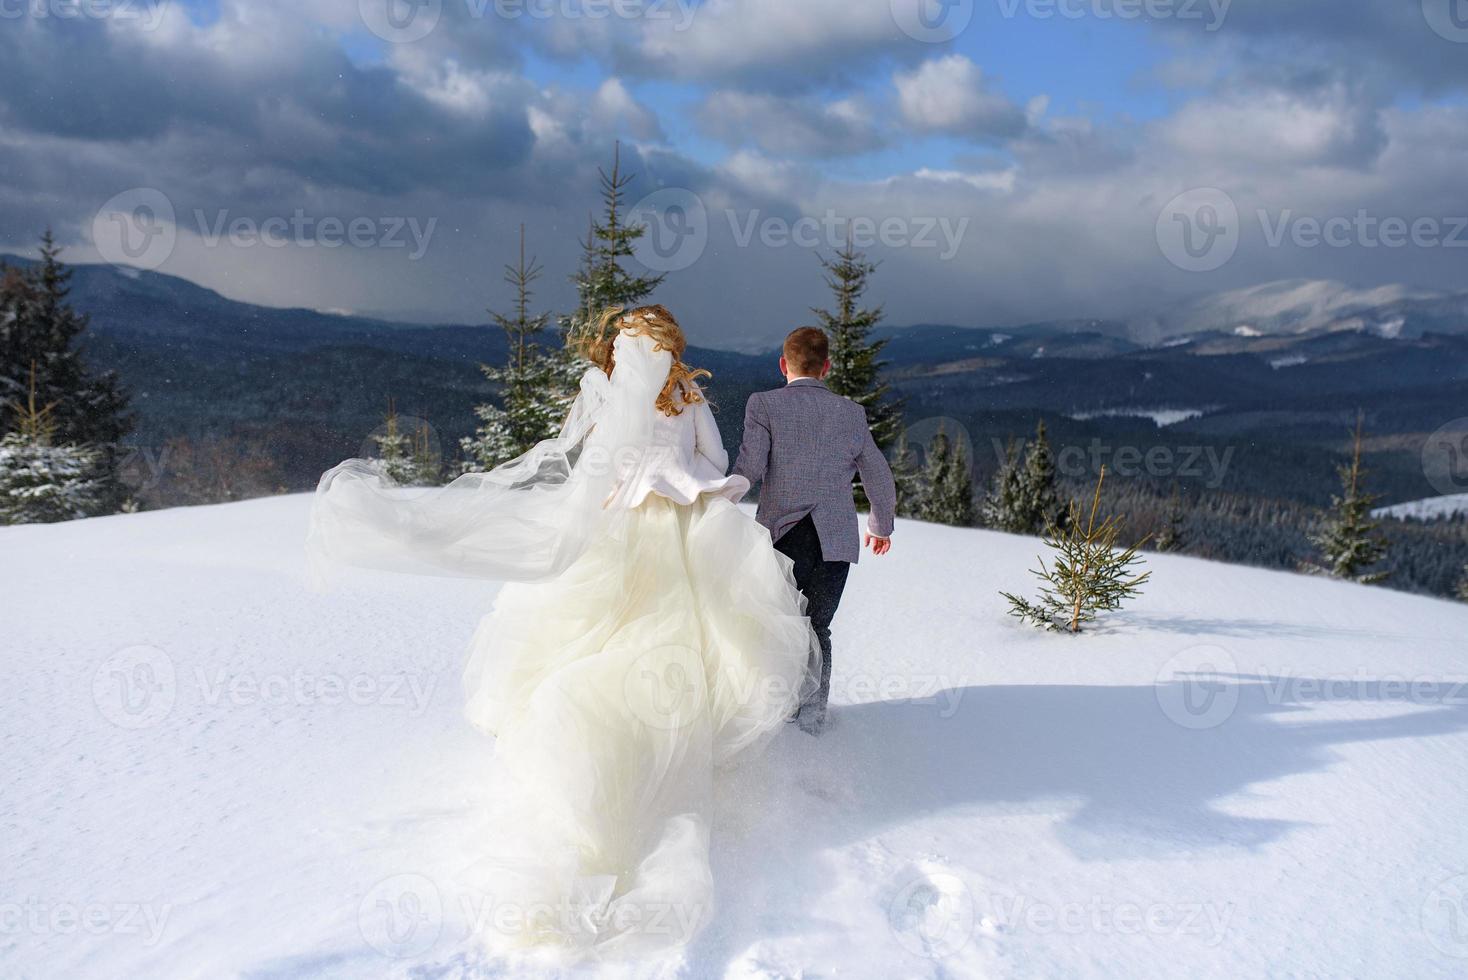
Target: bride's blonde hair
650	321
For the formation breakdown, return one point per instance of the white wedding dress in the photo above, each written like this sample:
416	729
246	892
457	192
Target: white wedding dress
650	634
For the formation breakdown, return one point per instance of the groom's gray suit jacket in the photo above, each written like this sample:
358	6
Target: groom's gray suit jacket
806	443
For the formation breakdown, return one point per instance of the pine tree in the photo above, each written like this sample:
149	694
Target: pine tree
1003	508
603	281
856	368
1463	585
1089	575
1349	542
948	496
394	455
41	482
1039	504
907	478
531	382
40	328
1172	537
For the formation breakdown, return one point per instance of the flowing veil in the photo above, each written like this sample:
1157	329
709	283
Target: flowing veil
526	520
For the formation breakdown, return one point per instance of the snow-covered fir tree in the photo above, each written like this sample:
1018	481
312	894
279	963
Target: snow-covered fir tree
1172	536
42	482
907	478
948	487
856	365
394	450
1349	541
532	388
40	329
1039	497
1003	508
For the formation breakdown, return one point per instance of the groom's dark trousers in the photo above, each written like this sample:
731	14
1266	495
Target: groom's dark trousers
821	582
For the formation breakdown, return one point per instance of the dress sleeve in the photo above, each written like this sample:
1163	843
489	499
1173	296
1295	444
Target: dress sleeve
707	442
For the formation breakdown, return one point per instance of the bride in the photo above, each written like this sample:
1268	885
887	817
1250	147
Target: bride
649	635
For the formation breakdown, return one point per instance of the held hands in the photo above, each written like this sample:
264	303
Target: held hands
879	546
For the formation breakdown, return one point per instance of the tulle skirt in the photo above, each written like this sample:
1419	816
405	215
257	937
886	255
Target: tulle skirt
676	644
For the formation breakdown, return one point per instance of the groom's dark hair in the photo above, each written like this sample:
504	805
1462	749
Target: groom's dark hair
807	350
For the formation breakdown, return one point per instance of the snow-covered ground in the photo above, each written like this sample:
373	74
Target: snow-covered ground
1427	509
210	772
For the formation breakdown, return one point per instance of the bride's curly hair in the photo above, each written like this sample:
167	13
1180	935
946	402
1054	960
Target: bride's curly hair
656	322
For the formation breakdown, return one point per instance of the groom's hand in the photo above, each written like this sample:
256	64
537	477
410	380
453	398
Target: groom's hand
879	546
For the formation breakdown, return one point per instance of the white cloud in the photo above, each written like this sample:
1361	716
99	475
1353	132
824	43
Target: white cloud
950	95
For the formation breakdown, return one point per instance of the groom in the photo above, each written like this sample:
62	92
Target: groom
806	443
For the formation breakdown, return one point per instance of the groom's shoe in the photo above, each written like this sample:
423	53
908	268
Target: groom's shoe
813	719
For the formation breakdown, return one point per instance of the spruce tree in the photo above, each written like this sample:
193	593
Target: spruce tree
1089	574
531	381
40	328
856	367
394	450
41	482
603	281
907	478
1039	505
948	496
1003	508
1349	542
1172	537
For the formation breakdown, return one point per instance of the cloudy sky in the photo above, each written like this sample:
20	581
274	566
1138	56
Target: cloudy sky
1006	160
